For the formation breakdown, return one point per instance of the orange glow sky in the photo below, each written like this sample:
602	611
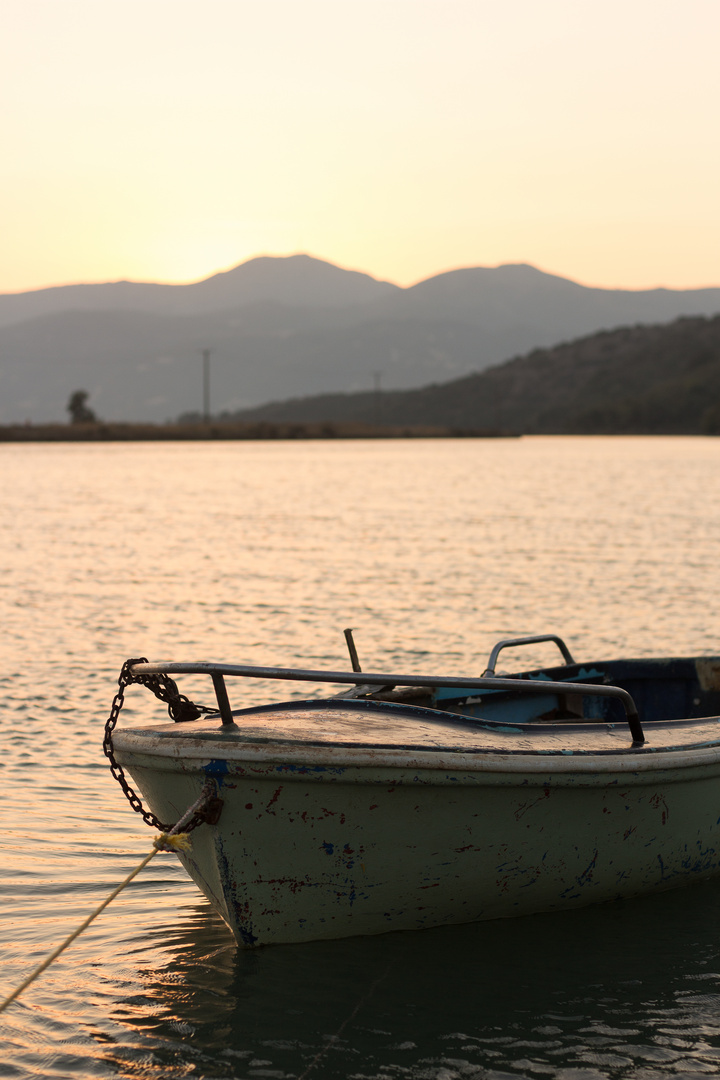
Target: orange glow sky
168	139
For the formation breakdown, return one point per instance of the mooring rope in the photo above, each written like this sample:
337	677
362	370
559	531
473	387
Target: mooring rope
173	840
333	1040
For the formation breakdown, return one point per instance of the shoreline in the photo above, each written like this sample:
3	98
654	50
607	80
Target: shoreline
219	431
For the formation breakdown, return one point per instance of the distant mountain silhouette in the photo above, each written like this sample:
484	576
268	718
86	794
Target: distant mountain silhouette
296	280
284	327
635	380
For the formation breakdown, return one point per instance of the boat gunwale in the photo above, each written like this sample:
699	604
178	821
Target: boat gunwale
158	742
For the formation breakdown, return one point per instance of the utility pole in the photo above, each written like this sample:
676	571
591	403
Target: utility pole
206	385
377	377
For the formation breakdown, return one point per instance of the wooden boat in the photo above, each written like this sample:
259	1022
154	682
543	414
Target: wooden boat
409	802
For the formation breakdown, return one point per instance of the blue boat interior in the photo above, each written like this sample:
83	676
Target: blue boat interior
666	689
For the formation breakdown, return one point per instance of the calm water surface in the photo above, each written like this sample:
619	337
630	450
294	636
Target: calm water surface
263	553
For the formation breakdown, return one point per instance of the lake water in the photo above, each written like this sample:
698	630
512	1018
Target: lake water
263	553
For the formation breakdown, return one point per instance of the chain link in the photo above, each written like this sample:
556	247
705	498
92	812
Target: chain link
180	709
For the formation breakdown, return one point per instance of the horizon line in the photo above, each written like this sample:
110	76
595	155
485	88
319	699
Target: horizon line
352	269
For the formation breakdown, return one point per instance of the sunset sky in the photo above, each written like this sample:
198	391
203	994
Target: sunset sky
168	139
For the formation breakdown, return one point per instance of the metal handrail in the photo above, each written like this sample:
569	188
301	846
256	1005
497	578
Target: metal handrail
535	640
218	672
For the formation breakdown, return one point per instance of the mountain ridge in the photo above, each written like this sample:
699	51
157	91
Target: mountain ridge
294	280
291	276
285	327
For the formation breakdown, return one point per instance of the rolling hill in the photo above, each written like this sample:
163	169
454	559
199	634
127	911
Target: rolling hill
662	379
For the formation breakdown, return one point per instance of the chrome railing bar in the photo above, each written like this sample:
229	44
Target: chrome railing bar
208	667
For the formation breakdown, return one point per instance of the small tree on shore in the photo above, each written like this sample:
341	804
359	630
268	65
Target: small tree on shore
80	413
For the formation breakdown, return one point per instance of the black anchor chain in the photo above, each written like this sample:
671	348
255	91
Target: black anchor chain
180	709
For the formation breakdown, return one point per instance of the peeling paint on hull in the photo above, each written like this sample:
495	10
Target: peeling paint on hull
317	845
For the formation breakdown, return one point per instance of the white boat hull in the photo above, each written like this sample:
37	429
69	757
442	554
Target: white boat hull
315	844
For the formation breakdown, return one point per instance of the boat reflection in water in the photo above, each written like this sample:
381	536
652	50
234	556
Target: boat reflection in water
546	992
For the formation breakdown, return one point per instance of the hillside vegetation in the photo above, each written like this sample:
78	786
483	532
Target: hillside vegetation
635	380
